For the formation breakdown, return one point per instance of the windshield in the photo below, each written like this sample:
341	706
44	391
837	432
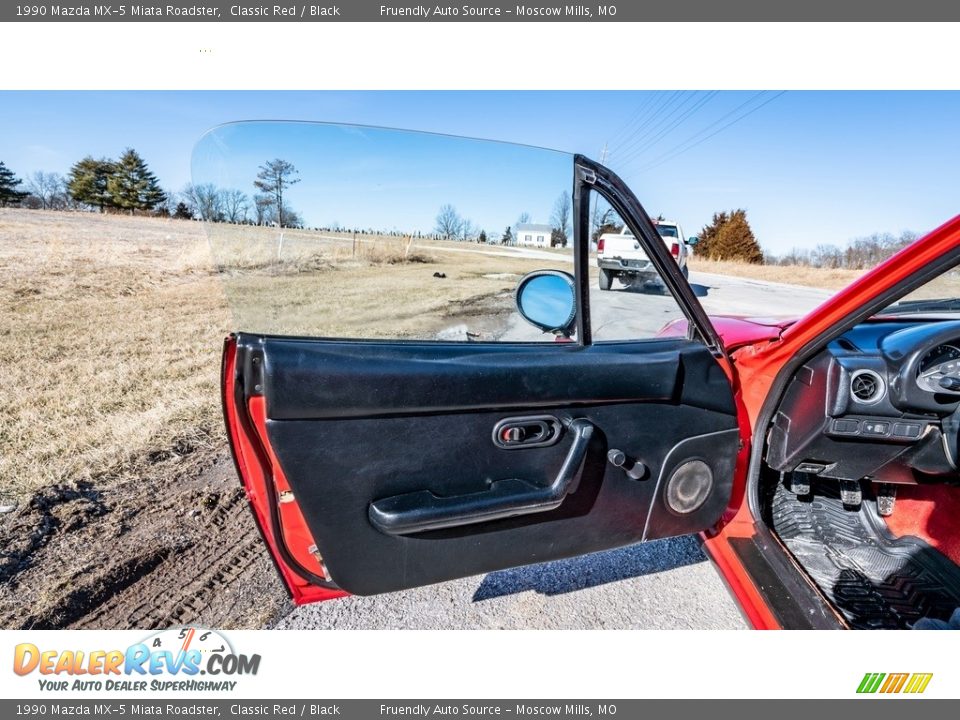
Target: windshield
668	231
940	296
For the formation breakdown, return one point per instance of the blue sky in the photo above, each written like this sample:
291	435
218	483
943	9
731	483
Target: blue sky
810	167
389	180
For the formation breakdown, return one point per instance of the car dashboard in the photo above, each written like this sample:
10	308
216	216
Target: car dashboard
879	403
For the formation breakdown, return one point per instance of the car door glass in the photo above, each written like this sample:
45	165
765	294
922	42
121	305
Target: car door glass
365	233
628	298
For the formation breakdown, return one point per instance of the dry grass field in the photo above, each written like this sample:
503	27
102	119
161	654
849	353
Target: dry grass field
110	328
792	275
112	443
112	325
944	286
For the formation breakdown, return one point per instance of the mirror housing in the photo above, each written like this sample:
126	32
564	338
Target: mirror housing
691	241
547	299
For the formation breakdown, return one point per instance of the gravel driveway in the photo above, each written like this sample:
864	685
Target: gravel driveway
664	584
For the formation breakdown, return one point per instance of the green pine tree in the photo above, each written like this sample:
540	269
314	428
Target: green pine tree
9	195
132	186
87	182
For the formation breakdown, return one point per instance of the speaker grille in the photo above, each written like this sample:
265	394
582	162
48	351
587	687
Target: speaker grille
689	486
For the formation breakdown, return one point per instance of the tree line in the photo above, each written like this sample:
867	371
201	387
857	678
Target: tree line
859	254
729	237
451	225
128	185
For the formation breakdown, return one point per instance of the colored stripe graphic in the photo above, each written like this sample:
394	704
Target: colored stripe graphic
870	682
894	683
918	682
913	683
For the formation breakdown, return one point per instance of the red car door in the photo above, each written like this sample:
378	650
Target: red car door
379	465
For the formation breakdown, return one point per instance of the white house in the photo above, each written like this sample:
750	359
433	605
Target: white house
532	235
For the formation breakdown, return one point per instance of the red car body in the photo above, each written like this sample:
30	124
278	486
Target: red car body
758	350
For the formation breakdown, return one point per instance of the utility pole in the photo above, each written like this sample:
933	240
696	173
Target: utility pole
594	197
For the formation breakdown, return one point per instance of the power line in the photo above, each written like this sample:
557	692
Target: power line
665	102
643	117
686	145
634	117
661	118
670	127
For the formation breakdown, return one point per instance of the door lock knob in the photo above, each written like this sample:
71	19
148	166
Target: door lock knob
514	434
634	469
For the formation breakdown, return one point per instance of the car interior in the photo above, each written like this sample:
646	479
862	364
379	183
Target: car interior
860	475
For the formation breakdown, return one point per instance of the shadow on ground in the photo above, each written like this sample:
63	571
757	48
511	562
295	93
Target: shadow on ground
658	289
563	576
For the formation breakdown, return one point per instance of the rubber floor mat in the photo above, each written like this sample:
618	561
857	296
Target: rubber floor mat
875	580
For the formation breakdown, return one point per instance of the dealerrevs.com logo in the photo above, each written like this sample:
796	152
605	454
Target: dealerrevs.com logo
170	660
912	683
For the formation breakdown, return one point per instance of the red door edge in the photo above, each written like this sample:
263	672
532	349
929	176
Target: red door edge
281	523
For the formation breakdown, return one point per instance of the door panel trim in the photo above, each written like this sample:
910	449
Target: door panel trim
320	380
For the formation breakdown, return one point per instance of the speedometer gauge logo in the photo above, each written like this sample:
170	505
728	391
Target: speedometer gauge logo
182	640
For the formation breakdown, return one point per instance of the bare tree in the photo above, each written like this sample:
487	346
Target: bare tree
45	187
468	231
64	200
168	206
449	222
274	177
235	205
522	219
205	201
561	217
605	222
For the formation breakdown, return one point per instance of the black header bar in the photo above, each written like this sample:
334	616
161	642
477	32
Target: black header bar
485	11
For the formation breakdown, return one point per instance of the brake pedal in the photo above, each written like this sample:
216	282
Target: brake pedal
851	494
799	483
886	498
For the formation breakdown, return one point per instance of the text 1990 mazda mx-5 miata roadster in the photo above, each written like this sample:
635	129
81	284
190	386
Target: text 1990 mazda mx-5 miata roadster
817	458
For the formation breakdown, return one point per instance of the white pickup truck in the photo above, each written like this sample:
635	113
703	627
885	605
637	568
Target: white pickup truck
620	255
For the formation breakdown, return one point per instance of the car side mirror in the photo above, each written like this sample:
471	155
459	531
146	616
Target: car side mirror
692	241
547	299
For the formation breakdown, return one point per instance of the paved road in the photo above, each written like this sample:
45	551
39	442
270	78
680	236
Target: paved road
661	584
625	314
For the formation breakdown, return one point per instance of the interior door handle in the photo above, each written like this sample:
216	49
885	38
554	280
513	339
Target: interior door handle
422	510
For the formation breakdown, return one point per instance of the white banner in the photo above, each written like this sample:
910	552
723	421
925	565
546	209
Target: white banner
196	662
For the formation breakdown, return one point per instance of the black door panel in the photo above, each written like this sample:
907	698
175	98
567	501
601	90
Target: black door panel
356	423
319	380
